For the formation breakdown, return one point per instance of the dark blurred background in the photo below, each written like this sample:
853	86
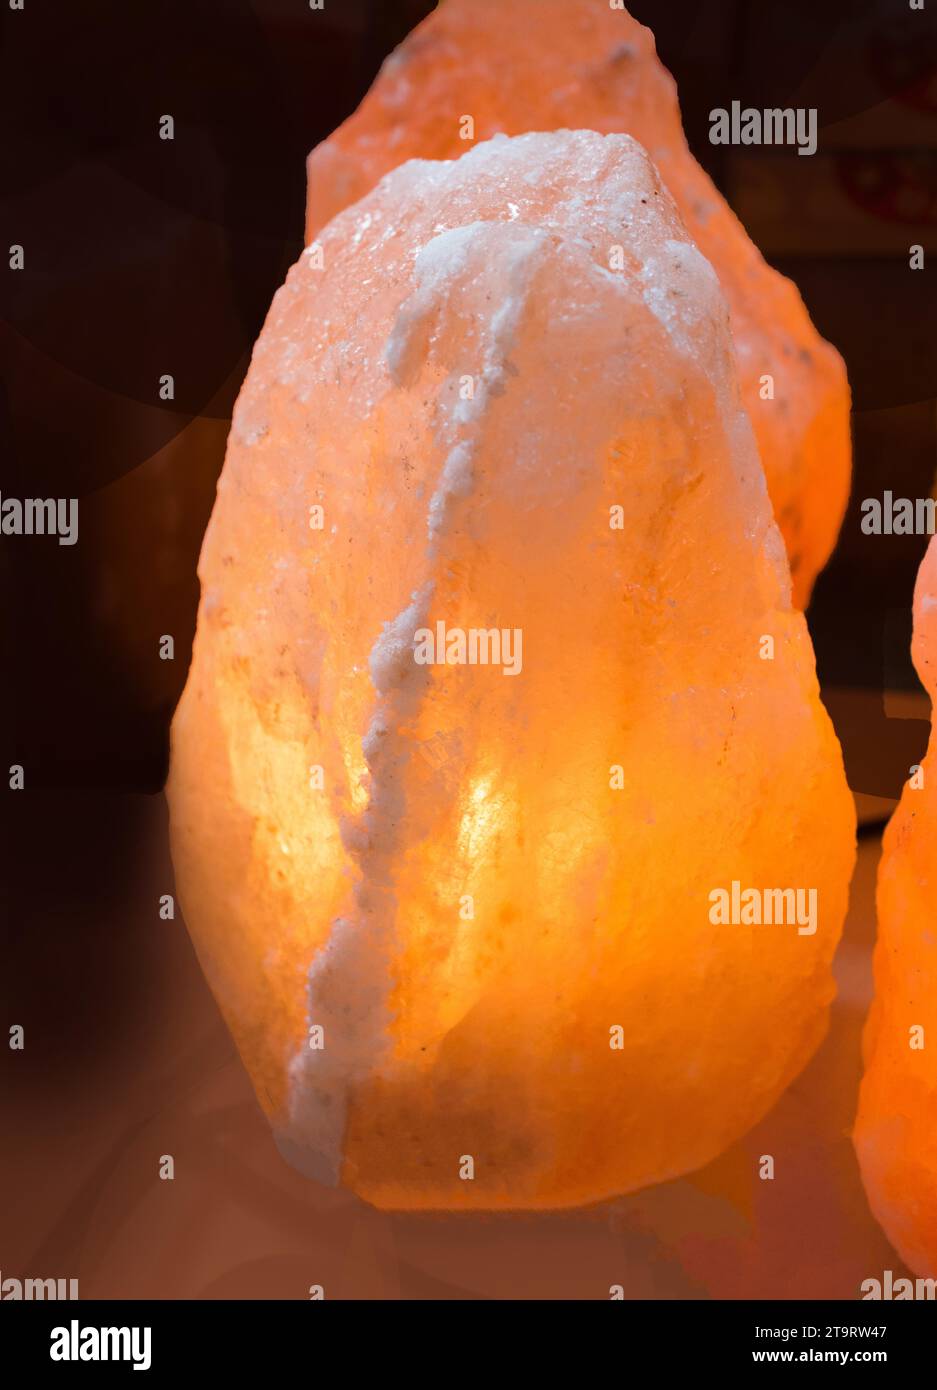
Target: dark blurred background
145	257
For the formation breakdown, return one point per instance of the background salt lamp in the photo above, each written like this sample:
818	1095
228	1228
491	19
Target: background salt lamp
555	64
896	1126
454	913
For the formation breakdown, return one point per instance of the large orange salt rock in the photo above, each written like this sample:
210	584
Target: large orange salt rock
552	64
478	718
896	1127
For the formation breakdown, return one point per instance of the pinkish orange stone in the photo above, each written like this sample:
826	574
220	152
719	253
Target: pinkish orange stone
554	64
455	896
896	1127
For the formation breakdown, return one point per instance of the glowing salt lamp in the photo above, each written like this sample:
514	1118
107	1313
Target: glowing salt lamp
497	688
896	1127
472	69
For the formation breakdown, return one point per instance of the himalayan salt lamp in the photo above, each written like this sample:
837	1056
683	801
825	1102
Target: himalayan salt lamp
896	1126
553	64
496	684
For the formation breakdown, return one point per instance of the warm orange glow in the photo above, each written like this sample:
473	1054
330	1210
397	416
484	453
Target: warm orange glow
496	907
896	1128
577	64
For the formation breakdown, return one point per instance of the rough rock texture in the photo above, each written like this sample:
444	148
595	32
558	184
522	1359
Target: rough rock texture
502	869
552	64
896	1127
